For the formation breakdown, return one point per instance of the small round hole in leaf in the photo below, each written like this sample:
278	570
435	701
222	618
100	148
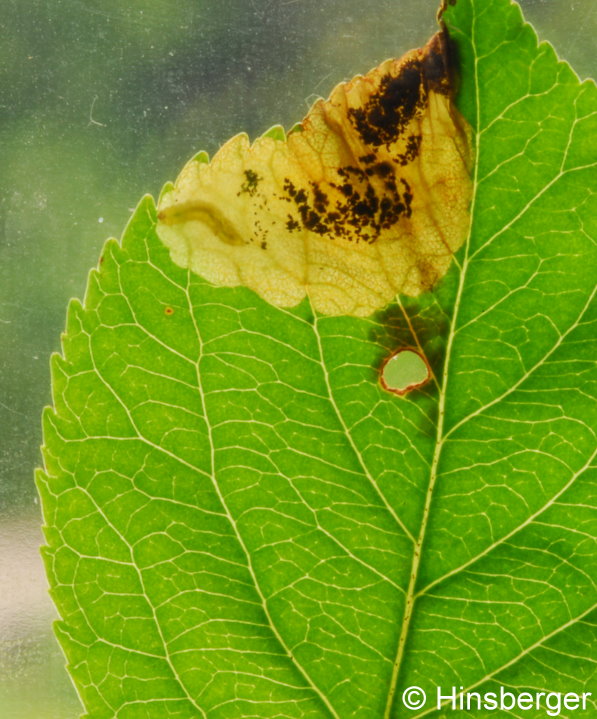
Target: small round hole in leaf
404	370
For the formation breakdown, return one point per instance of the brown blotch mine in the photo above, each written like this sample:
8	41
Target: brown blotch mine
368	198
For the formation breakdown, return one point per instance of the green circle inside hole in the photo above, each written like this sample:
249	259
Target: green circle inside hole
404	371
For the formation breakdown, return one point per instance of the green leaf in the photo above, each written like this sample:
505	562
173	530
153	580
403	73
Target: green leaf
241	522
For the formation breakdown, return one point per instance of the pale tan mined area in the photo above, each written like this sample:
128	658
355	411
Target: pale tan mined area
368	198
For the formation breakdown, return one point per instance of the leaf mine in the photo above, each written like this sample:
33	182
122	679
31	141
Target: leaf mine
368	197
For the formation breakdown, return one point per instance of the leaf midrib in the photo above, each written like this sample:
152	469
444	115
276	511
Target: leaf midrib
411	595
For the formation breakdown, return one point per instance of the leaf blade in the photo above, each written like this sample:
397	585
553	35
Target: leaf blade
294	568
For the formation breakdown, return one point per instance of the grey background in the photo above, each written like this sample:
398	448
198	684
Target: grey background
100	102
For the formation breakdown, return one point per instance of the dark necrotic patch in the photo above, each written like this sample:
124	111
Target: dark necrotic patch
363	210
249	186
383	169
436	64
413	144
292	224
311	209
387	112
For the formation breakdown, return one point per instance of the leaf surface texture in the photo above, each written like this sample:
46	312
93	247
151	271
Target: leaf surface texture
242	523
